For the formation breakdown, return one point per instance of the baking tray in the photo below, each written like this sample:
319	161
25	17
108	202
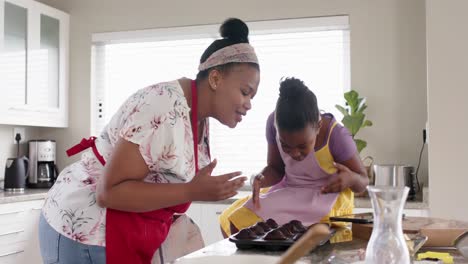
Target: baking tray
270	245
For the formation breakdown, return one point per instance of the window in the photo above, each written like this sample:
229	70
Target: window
315	50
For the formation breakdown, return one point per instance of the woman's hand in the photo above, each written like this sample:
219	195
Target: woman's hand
256	185
345	178
205	187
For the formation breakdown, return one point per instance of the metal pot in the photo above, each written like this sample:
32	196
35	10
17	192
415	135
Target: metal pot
461	243
394	175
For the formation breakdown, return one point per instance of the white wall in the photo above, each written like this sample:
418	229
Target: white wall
447	68
388	60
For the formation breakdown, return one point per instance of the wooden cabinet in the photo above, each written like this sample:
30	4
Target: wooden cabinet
19	242
34	40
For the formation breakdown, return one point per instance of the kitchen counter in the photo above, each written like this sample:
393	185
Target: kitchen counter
345	252
27	195
37	194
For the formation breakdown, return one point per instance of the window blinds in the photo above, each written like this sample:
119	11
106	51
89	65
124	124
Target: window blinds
315	50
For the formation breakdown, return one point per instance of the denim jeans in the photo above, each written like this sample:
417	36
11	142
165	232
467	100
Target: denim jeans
56	248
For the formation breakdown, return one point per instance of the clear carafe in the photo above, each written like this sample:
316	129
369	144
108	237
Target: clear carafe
387	244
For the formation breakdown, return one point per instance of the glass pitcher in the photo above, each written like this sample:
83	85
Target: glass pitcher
387	244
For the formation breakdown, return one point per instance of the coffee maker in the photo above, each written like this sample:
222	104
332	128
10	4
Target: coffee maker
42	169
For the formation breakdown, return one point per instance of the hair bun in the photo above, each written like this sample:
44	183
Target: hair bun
292	88
235	29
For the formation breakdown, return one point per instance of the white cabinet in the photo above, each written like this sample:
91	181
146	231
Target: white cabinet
205	215
211	229
195	213
32	253
34	40
19	242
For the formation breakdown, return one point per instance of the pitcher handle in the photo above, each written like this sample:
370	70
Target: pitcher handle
368	158
370	172
56	172
26	162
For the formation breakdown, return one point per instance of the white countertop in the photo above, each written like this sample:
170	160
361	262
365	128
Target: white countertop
343	252
27	195
37	194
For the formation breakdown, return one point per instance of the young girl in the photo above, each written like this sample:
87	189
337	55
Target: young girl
313	166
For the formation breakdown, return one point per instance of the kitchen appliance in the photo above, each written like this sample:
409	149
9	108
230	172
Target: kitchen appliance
461	243
16	173
395	175
42	168
16	170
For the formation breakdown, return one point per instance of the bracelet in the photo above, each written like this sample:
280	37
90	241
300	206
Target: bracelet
259	176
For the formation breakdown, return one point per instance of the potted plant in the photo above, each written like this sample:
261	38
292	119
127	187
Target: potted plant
353	116
354	120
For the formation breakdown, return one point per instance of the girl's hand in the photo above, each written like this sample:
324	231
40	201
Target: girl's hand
205	187
256	184
345	178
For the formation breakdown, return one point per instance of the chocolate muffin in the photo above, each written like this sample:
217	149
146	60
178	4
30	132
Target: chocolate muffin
265	226
257	229
297	236
298	226
275	234
246	233
291	228
285	231
272	223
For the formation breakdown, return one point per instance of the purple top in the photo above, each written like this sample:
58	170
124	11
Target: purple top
341	145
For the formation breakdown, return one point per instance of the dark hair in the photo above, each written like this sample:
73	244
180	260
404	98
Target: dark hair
296	106
233	31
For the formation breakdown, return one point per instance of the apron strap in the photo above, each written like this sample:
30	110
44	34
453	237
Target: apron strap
85	144
90	142
194	117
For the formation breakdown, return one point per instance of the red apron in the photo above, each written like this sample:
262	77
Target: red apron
135	237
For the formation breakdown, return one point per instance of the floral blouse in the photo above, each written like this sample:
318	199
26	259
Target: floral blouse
157	119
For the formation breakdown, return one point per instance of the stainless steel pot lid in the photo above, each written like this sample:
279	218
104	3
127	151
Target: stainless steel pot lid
462	244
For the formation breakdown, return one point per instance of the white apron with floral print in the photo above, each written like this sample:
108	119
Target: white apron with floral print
157	118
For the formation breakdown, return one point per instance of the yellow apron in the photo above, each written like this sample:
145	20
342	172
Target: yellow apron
242	217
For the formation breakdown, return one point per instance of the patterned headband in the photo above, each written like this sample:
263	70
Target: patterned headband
241	52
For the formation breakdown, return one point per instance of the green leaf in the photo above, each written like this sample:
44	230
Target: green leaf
351	96
352	100
367	123
360	144
343	110
353	122
362	108
354	118
360	101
